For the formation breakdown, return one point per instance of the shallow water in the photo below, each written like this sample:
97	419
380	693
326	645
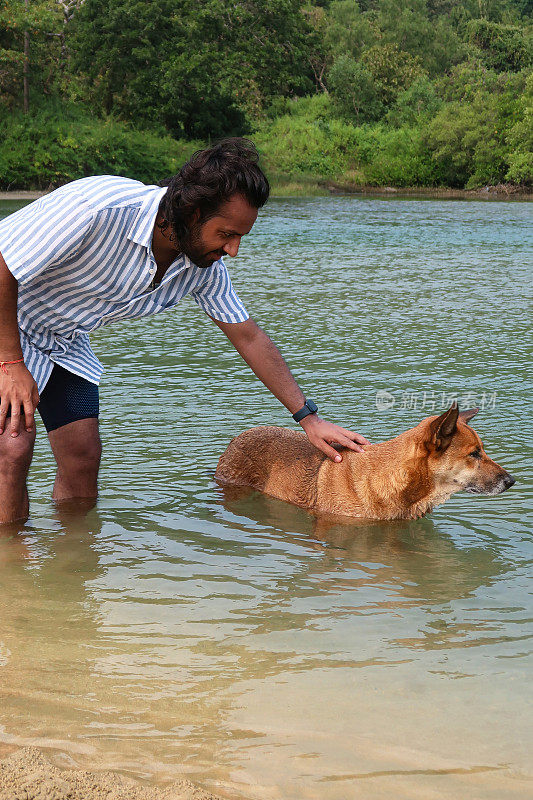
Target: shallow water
180	631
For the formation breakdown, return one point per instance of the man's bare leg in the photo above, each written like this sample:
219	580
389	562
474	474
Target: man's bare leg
77	450
15	458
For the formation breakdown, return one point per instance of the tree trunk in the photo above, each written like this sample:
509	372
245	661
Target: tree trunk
26	65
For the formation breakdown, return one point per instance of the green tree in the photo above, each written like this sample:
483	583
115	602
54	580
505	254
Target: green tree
354	90
409	25
188	65
117	48
502	47
469	140
392	70
415	105
319	54
348	30
27	48
520	139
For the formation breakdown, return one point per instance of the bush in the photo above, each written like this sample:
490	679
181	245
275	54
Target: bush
376	155
312	108
39	152
294	145
520	168
415	105
470	79
399	157
468	143
520	139
363	90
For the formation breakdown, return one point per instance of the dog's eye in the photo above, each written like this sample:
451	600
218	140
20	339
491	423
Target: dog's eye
475	454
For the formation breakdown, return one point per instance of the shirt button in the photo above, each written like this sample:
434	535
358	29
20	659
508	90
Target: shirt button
153	270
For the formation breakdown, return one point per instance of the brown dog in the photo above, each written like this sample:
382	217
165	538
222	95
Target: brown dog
403	478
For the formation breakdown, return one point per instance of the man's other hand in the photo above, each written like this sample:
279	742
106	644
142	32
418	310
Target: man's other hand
322	433
18	390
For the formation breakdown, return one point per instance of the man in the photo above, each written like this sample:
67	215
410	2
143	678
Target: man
108	248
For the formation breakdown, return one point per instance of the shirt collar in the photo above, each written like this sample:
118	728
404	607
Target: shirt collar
182	262
142	227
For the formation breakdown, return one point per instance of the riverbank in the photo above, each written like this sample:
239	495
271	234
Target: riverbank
502	191
27	774
21	195
316	187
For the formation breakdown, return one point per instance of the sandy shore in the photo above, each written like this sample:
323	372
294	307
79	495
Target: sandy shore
28	775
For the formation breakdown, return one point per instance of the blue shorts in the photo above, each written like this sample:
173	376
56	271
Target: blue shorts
67	398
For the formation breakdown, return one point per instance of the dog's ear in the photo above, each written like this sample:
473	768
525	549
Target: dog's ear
466	416
443	428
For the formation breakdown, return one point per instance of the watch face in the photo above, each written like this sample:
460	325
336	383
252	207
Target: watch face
312	406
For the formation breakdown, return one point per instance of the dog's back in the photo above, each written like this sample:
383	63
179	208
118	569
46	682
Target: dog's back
273	460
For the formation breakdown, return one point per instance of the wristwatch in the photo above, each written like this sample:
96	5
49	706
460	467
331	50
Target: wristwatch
309	407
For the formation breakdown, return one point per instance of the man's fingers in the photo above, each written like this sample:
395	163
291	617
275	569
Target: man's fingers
331	453
355	437
28	415
323	434
15	419
4	408
346	442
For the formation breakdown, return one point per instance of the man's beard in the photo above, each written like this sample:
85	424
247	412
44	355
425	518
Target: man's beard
193	247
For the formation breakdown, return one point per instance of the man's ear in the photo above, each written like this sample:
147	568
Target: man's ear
466	416
442	429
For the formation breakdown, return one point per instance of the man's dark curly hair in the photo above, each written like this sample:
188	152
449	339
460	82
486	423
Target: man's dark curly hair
209	179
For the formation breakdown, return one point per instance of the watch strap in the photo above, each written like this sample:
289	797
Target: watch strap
309	407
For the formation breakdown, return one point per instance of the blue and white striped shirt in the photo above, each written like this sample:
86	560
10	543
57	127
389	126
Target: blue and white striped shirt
82	257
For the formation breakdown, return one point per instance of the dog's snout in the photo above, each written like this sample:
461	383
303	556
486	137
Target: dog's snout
508	481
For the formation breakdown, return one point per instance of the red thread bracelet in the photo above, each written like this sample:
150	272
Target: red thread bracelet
3	364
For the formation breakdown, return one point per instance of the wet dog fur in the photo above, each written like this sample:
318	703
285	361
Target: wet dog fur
403	478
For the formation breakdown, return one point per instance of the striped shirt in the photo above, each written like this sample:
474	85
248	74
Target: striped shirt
83	258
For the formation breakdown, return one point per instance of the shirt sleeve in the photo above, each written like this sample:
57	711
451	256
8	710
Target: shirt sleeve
217	297
44	233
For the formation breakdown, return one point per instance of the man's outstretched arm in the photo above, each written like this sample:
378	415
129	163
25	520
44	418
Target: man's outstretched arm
266	361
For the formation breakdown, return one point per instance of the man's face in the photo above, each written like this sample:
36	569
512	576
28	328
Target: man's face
221	235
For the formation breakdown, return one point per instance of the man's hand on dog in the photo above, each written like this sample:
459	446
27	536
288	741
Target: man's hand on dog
322	434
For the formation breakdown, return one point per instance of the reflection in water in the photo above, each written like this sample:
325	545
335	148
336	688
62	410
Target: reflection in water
417	557
49	623
259	650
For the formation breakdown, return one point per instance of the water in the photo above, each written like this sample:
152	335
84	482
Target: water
180	631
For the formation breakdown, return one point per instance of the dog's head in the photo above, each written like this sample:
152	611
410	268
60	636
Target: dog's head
456	458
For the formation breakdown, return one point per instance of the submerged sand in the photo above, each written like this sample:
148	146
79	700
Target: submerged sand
28	775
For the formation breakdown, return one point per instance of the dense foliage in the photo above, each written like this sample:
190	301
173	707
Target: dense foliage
401	92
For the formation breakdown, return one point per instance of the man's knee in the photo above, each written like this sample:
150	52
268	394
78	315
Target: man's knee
16	453
83	463
87	453
77	446
77	451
